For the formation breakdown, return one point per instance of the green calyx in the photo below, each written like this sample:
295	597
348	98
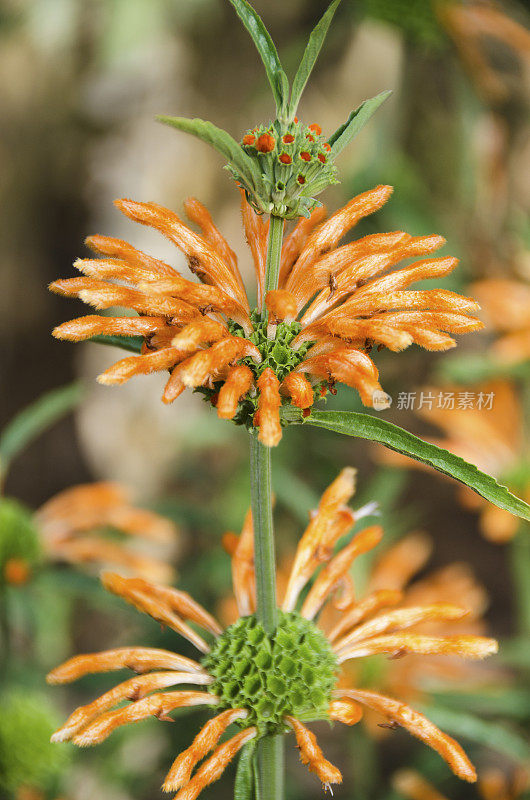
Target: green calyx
291	672
19	539
295	164
277	353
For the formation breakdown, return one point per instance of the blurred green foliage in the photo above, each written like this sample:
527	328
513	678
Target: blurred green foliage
417	19
27	757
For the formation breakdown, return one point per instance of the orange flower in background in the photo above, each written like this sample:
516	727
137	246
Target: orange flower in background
506	305
490	436
472	25
273	683
493	784
333	304
75	526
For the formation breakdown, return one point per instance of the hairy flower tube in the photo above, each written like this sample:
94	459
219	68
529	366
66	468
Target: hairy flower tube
332	306
93	524
413	678
272	683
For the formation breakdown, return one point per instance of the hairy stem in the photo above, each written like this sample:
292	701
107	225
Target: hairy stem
270	748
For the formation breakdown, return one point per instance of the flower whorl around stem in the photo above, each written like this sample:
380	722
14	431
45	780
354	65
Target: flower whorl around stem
272	682
333	304
91	525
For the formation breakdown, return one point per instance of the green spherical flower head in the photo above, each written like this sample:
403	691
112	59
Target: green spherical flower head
19	538
291	671
27	757
295	164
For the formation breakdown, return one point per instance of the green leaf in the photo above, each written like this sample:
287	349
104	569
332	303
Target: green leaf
267	50
516	653
366	426
355	122
474	368
244	784
36	418
131	343
220	140
310	56
501	701
496	735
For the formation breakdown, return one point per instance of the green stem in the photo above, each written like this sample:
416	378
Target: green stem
260	477
520	563
274	251
270	748
5	632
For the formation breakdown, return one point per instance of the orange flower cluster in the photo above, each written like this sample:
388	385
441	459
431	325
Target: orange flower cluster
68	526
365	627
333	304
395	571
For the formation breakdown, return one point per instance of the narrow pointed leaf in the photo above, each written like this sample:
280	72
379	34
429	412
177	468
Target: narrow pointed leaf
244	783
355	122
133	344
220	140
310	56
267	50
366	426
35	419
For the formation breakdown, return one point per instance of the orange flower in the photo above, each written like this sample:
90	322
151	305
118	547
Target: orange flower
16	571
272	683
68	526
392	578
332	305
470	25
506	305
493	784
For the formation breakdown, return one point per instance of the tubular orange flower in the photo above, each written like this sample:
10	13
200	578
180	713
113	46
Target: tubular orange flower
71	524
332	305
272	683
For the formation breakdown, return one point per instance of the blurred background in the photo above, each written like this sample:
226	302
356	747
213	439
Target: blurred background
80	85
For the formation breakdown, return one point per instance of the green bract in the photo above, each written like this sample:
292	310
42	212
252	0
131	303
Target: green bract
289	672
276	353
